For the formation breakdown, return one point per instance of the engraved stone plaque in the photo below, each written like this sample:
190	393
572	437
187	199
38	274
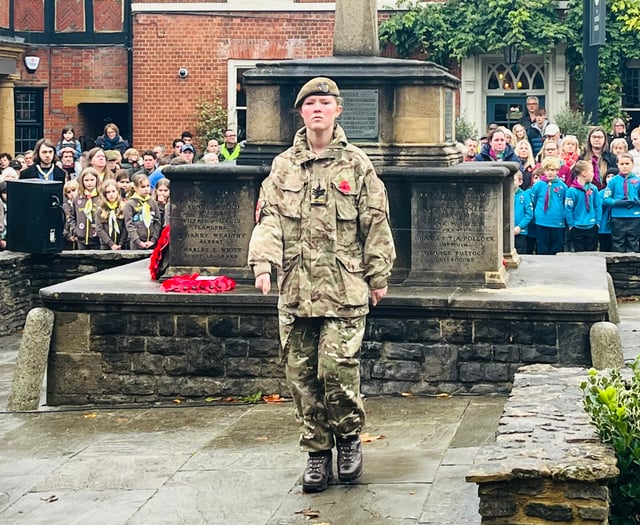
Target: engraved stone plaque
211	222
360	114
457	232
448	116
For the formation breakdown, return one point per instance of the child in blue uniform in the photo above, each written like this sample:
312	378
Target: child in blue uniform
522	213
583	209
548	208
622	195
604	232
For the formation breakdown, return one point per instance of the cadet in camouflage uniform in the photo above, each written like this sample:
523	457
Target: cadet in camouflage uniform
322	220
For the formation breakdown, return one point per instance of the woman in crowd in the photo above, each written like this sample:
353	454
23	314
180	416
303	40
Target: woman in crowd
597	152
496	149
525	156
97	159
619	131
112	139
618	146
519	133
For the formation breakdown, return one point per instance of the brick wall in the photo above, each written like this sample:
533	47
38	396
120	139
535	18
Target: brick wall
165	104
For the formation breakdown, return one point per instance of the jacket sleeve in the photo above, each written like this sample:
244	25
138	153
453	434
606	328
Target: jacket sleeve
379	249
266	243
134	238
569	205
102	234
528	212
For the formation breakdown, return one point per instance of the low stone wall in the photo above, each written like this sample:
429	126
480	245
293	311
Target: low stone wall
22	275
624	269
547	464
119	339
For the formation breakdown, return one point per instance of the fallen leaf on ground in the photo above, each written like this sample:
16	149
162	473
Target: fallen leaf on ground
406	394
309	513
50	499
443	395
262	438
229	399
273	398
212	399
90	415
366	438
177	401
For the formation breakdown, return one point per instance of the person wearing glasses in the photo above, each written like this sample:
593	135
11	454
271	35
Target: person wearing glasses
230	150
529	117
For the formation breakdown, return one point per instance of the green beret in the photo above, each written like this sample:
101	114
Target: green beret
317	86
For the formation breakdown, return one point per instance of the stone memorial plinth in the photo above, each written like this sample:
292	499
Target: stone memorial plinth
452	225
400	112
212	215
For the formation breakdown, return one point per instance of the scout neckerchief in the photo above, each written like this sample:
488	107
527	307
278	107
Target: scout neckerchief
587	192
45	174
548	194
113	220
146	209
88	212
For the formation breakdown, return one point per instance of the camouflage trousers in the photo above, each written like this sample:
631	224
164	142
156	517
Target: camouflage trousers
323	374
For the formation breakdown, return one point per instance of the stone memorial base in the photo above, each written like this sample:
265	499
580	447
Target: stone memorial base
119	339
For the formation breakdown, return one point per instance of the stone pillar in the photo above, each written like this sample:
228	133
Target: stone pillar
356	28
32	360
7	114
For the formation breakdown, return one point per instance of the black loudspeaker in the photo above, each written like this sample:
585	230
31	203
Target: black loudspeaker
35	217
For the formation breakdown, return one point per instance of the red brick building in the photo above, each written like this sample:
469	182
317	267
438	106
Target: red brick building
118	60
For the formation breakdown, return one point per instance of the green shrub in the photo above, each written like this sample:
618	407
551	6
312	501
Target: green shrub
465	129
614	406
572	122
211	119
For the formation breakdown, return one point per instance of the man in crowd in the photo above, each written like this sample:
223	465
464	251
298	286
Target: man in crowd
230	150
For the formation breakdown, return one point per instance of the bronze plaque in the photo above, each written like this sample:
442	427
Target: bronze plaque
359	117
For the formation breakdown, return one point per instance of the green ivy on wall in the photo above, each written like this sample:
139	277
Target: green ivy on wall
449	31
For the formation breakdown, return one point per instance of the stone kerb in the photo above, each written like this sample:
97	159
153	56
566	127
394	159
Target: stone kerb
547	464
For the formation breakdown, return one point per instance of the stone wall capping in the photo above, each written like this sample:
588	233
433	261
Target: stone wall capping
547	460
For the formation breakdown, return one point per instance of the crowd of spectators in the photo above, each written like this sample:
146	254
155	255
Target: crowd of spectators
569	196
114	196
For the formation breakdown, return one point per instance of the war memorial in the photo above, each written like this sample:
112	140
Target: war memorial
463	314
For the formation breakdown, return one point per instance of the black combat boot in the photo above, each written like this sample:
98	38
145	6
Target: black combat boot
349	459
318	471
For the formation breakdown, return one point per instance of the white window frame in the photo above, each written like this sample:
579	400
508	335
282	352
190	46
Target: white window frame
233	66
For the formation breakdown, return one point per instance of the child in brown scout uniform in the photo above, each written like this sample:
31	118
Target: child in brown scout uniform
142	215
82	224
110	218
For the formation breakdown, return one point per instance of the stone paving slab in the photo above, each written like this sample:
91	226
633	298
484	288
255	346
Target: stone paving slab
232	465
239	464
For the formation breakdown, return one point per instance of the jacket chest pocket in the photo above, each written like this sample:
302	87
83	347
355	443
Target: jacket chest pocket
290	209
346	215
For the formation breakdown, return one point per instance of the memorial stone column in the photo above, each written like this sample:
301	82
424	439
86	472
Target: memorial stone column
356	28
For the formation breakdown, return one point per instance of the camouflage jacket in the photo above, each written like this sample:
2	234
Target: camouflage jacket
323	222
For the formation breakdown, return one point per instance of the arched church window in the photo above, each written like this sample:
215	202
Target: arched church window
515	77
